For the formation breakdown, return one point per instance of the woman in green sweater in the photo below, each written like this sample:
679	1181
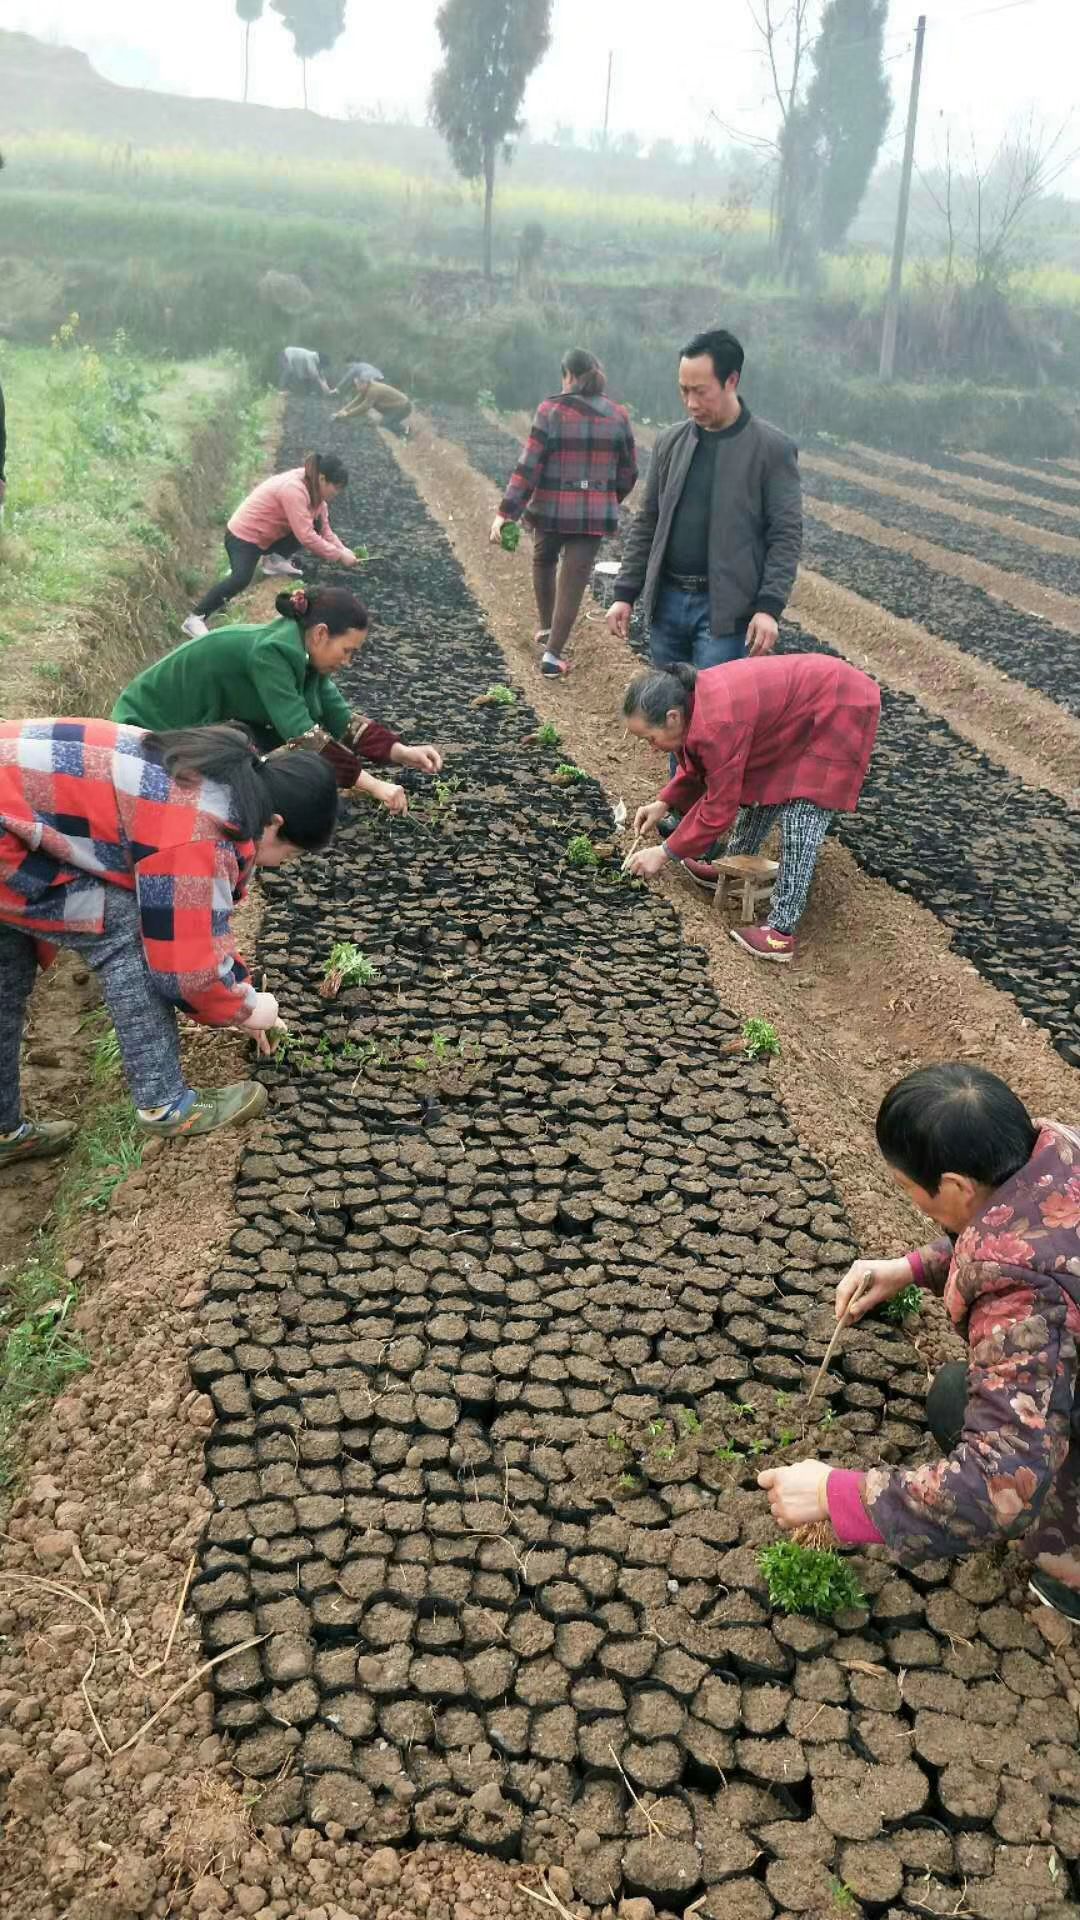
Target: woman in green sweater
277	678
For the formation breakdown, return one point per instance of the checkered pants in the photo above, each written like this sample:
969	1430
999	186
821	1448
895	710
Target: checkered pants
803	827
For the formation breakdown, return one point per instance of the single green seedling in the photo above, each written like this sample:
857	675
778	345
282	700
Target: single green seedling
616	1443
745	1411
630	1483
656	1428
510	537
904	1305
783	1399
362	555
828	1418
842	1897
809	1580
786	1437
581	853
729	1453
548	735
440	1045
688	1420
760	1039
568	773
665	1453
757	1446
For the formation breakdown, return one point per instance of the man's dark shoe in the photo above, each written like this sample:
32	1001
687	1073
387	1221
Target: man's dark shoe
1054	1593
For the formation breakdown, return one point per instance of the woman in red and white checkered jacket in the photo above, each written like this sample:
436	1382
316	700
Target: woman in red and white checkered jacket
132	849
575	470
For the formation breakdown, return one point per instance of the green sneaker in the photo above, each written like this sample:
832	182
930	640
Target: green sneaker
37	1140
205	1112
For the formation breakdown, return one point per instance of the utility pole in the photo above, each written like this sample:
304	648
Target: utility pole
892	299
607	96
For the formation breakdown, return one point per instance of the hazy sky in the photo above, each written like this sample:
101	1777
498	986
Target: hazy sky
986	60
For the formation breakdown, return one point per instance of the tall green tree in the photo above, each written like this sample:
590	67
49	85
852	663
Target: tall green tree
249	11
490	48
848	106
315	26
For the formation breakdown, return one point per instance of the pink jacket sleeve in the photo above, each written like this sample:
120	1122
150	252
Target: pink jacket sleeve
312	529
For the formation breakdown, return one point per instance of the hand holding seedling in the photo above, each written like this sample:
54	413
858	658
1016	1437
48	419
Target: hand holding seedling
267	1043
646	862
648	817
881	1280
797	1494
421	759
390	795
618	619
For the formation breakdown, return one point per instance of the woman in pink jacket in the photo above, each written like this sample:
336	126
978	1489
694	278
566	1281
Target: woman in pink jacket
283	513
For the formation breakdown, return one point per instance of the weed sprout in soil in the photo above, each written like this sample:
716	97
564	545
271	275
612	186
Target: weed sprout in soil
809	1580
904	1305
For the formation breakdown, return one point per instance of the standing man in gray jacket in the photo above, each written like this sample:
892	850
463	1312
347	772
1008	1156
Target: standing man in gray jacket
714	548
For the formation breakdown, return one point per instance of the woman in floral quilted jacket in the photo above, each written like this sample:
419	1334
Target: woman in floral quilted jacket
1007	1192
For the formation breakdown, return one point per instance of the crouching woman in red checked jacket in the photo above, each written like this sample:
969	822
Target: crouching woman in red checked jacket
1006	1189
776	739
132	849
577	466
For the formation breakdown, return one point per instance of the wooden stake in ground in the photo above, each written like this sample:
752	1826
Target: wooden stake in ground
840	1325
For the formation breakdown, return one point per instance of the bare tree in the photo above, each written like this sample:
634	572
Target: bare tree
784	32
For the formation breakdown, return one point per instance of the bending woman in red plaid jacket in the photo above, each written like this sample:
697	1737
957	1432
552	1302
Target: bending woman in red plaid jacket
776	739
577	466
132	849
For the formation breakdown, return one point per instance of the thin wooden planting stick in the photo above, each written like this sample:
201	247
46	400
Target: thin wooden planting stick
840	1325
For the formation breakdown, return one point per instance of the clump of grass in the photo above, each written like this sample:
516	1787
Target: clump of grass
809	1580
500	696
760	1039
904	1305
105	1062
347	966
580	852
547	735
40	1352
568	774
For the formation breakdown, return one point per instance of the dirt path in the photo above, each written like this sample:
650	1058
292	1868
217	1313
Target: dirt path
988	489
1017	530
1026	594
882	987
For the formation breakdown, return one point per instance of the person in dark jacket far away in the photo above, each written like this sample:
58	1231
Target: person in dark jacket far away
756	744
576	468
1006	1189
714	548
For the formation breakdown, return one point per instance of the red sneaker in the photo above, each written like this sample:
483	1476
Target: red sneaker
701	873
765	943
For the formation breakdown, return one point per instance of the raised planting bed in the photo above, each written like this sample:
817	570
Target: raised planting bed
1060	570
528	1278
872	467
1039	655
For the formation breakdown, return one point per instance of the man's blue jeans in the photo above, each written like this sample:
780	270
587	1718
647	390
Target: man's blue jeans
680	634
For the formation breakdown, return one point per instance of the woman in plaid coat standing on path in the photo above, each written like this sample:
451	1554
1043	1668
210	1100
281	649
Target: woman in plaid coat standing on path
576	468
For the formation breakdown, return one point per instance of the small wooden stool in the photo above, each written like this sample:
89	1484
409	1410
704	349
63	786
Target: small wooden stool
746	883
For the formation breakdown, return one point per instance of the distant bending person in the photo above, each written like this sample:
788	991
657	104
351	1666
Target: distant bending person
373	395
302	368
282	514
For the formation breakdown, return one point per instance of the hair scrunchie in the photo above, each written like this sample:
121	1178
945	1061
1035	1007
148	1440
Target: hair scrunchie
300	602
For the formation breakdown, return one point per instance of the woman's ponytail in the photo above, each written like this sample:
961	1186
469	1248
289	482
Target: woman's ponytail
584	369
300	786
656	693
